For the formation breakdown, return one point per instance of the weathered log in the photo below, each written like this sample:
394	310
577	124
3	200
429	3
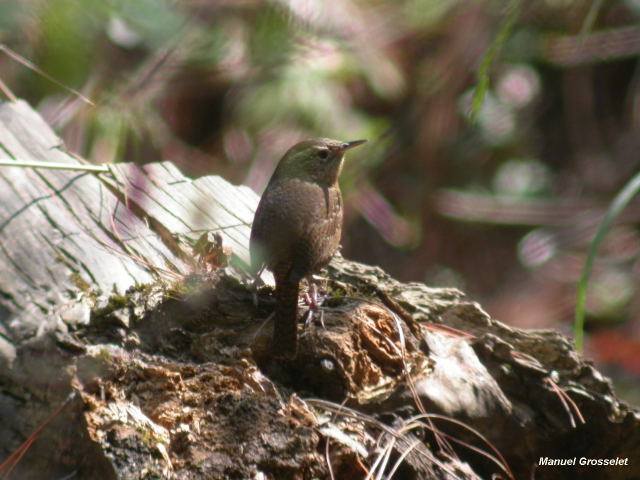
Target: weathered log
105	297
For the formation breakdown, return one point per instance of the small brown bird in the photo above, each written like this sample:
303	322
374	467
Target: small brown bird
297	226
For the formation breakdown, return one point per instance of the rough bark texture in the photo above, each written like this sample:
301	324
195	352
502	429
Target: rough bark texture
167	362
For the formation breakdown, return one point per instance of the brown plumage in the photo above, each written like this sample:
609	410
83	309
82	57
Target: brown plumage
297	226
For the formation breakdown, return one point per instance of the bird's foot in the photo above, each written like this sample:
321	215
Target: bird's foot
314	302
307	318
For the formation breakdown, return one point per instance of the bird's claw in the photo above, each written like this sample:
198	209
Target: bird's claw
311	299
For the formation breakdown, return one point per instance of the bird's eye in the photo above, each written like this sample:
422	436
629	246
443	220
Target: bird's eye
323	154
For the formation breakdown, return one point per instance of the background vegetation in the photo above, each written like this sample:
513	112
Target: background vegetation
503	206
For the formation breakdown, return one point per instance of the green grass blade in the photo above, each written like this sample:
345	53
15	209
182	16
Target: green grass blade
56	166
590	19
511	15
617	205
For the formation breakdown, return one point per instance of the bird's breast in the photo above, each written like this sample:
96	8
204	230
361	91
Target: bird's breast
297	219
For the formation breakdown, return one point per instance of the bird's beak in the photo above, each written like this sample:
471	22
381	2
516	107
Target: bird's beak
349	145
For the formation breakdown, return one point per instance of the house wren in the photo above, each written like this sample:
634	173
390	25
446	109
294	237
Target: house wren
297	226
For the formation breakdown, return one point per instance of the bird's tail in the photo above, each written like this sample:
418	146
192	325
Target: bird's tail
285	327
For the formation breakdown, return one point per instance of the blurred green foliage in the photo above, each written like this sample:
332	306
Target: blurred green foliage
505	206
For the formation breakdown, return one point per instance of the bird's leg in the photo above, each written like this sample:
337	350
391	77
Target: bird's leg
313	302
311	297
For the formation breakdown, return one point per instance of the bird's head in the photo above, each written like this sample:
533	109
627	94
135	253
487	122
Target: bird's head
318	160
